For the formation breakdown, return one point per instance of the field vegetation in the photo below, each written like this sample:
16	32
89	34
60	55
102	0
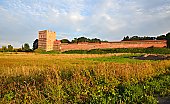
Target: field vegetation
82	78
150	50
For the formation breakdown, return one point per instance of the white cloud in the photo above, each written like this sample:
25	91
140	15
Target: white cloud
106	19
9	42
76	17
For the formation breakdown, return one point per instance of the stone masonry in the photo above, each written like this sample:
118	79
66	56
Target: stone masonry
47	41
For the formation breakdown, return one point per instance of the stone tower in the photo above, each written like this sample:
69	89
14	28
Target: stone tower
46	40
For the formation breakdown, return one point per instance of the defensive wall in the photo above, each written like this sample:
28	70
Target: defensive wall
120	44
47	41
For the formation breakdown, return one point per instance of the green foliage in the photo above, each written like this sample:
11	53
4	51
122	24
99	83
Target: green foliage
4	49
7	49
35	44
18	50
22	88
10	48
76	84
168	40
95	40
93	89
161	37
127	38
76	52
9	96
65	41
39	50
74	40
66	75
50	52
26	48
144	92
84	39
119	59
159	85
121	50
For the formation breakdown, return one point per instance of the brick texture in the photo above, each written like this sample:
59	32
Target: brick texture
47	41
121	44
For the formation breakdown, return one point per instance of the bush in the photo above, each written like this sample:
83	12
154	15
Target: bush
39	50
66	75
150	50
50	52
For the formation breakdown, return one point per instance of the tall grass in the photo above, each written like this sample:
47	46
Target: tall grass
63	78
121	50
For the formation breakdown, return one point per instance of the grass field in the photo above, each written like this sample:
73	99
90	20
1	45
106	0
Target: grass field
82	78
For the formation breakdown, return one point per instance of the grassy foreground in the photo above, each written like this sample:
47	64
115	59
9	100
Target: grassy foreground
87	78
150	50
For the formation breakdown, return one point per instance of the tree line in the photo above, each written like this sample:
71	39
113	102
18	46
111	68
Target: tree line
83	39
24	48
161	37
10	48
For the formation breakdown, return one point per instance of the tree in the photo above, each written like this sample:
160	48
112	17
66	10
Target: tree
74	40
26	47
126	38
35	44
4	49
162	37
168	39
95	40
22	48
65	41
138	38
135	38
147	38
83	39
10	48
104	41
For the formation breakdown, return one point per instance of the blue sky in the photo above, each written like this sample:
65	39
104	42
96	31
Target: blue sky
20	20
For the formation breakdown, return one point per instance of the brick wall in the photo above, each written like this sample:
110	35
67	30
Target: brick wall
42	38
46	40
120	44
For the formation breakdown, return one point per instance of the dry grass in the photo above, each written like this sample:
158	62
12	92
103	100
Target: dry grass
16	70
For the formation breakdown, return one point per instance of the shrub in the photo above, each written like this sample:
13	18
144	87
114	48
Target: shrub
149	50
39	50
66	75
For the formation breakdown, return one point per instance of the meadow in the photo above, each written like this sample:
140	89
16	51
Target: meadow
82	78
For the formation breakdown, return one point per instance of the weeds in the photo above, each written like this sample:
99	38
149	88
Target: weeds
121	50
37	78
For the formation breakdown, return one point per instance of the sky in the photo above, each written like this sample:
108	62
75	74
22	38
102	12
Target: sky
20	20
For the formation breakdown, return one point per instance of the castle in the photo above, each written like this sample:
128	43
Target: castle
47	41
